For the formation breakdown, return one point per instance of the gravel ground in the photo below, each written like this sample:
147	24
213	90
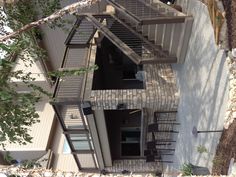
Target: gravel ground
226	148
230	10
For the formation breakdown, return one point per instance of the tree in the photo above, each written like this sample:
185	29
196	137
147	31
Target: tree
17	110
70	9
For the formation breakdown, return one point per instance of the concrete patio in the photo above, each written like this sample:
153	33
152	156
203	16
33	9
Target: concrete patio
203	87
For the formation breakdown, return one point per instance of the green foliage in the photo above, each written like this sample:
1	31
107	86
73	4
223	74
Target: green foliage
47	8
17	110
202	149
7	157
29	164
186	169
16	16
72	72
218	160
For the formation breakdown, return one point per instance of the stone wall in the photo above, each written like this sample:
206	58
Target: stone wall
231	111
160	92
135	166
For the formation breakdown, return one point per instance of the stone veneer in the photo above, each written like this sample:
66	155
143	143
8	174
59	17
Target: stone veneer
160	92
135	165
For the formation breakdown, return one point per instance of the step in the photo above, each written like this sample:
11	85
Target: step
145	30
167	36
175	39
151	32
160	28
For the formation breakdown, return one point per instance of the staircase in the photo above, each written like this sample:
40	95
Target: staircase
166	28
144	30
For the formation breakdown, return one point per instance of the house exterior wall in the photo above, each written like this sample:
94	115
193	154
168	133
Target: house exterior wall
39	141
53	39
40	133
61	160
160	94
23	155
37	72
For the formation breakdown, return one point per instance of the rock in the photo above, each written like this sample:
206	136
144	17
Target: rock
234	52
232	168
234	115
3	175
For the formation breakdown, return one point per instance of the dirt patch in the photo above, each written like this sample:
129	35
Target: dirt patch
226	150
230	9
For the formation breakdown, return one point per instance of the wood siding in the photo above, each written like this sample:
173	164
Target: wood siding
40	139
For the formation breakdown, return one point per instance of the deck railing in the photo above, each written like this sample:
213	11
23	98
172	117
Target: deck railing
68	97
163	25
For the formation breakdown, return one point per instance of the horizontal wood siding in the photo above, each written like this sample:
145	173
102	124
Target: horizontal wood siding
40	139
86	160
65	162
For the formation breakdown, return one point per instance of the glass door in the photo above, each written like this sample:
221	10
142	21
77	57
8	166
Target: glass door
130	141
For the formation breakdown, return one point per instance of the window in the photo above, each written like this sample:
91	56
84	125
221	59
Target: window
130	142
66	147
80	141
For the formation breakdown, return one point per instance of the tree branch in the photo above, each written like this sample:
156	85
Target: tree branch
70	9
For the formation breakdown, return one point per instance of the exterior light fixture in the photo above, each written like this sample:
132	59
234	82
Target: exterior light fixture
87	109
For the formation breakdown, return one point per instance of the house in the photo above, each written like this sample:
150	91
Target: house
41	140
48	141
108	119
122	116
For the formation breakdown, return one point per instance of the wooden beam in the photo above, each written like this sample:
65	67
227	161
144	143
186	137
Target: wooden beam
159	60
162	20
115	40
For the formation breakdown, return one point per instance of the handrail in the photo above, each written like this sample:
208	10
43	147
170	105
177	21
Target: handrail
122	9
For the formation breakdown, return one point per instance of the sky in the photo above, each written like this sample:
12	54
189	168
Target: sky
3	29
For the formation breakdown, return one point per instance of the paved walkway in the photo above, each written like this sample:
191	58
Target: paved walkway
203	89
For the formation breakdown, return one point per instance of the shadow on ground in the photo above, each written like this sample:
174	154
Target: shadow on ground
203	88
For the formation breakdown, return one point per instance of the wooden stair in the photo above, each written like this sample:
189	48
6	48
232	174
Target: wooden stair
159	23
